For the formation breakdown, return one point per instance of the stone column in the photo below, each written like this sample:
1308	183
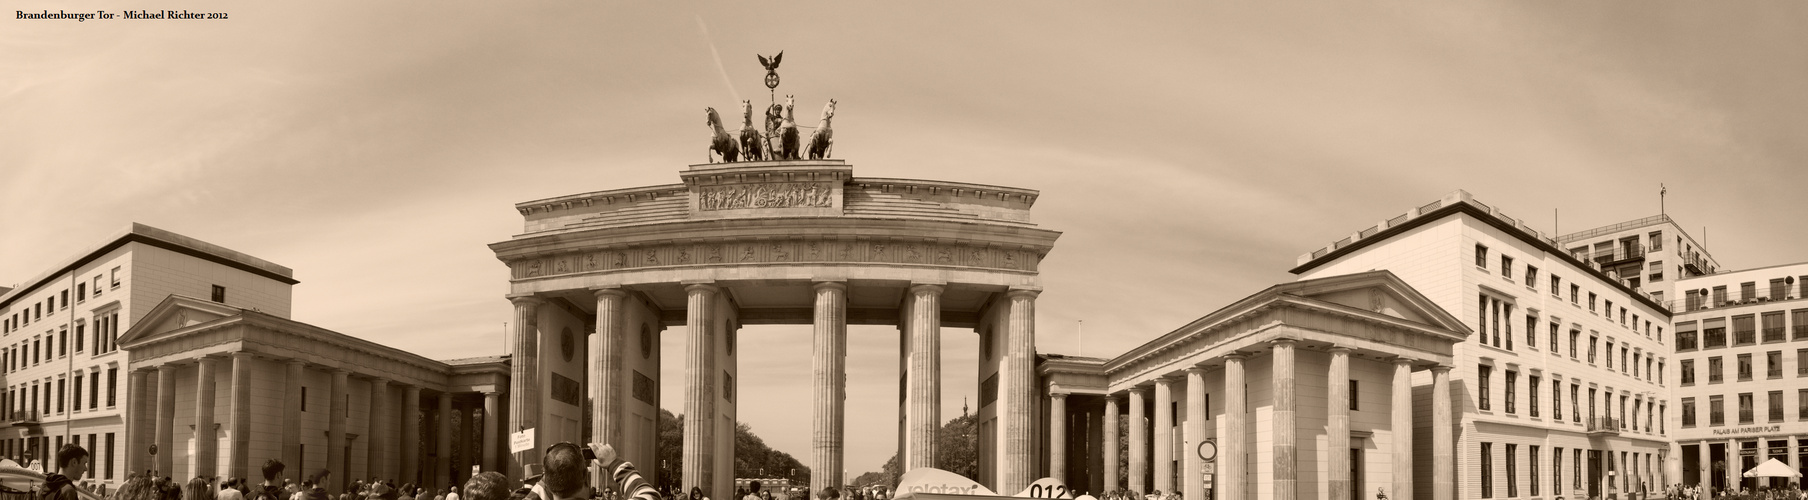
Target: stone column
1443	445
1139	442
1285	421
1795	458
1402	430
335	433
1191	484
294	375
923	416
166	419
1019	369
699	391
140	426
239	457
489	430
524	377
1733	466
1164	435
207	438
829	356
1337	425
1704	469
606	371
411	435
442	461
379	437
1232	464
1111	439
1057	436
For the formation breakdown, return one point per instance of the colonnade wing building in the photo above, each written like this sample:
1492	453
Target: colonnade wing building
782	242
160	352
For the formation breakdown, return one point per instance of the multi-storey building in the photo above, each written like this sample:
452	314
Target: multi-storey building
1648	254
1741	383
1560	391
63	373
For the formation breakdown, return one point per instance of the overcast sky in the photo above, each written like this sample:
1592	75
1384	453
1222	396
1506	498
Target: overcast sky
1189	153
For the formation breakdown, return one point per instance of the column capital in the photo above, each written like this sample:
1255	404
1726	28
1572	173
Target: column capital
379	380
1283	341
1195	369
1057	395
608	291
701	287
1402	360
341	372
1445	370
295	362
1015	292
1339	349
836	284
526	299
238	355
927	288
166	368
1236	355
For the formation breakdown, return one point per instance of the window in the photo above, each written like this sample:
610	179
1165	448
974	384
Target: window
79	335
1688	372
1481	256
1532	396
1657	272
1743	330
1531	331
1776	406
1799	320
94	390
78	392
1531	277
1745	408
1714	370
1557	398
97	285
1719	296
1554	344
1485	372
81	292
219	294
1506	267
112	387
115	277
1354	395
1713	334
1801	398
62	341
1610	354
1773	364
1591	404
1577	463
1688	412
1512	471
1623	358
63	298
1801	362
1591	302
1593	342
1745	367
61	391
108	470
1512	380
1556	469
1556	286
1487	470
1532	469
1574	335
1575	291
1773	326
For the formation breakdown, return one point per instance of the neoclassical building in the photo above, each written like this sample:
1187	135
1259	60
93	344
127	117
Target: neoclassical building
217	390
1306	390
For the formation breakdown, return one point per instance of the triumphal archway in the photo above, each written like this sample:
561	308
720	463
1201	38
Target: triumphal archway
596	277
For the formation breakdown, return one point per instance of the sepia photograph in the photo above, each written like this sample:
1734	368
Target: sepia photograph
560	250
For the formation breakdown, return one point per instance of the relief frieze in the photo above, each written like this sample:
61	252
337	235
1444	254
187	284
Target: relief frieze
766	195
775	252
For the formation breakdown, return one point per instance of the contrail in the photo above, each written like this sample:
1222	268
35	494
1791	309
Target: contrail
719	67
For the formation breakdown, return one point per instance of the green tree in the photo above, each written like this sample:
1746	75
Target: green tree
958	452
753	458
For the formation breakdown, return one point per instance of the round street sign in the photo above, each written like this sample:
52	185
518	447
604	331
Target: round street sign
1208	450
153	450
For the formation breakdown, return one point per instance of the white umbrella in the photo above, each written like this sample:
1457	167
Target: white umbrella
1772	468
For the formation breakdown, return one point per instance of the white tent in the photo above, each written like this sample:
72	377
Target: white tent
1772	468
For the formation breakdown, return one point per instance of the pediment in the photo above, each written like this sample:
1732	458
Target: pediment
175	313
1378	292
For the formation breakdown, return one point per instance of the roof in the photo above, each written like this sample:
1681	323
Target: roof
140	233
1461	202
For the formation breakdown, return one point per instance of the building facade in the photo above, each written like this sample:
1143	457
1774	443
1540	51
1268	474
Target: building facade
1561	389
1742	374
64	372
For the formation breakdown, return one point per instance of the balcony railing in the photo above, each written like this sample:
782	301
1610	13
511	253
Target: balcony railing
24	418
1604	425
1773	334
1730	299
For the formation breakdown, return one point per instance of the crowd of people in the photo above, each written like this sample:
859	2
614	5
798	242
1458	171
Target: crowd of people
1789	491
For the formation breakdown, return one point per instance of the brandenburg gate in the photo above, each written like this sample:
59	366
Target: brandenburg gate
596	277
